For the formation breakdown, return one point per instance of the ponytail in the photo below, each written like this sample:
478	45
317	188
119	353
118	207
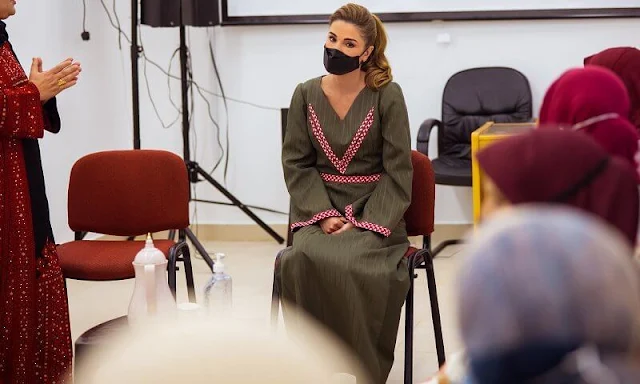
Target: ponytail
377	67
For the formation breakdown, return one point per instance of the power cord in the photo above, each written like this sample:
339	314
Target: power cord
224	100
115	16
85	34
149	93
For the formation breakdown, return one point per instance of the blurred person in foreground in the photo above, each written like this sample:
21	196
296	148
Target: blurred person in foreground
564	168
205	350
548	295
594	101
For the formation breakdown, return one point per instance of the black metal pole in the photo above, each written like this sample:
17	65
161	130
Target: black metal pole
184	81
195	171
135	52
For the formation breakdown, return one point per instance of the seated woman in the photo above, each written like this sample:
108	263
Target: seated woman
549	295
560	167
624	62
593	100
347	166
563	168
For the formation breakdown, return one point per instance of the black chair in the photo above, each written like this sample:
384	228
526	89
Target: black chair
472	98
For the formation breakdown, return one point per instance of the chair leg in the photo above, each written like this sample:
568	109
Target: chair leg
275	293
172	234
435	309
275	304
171	269
188	270
445	244
408	327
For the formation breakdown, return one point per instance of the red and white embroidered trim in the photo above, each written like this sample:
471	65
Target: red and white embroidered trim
351	179
348	212
317	217
340	164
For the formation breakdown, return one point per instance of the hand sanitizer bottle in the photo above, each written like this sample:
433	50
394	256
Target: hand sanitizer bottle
217	292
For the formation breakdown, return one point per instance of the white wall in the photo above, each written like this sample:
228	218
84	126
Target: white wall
265	63
262	65
294	7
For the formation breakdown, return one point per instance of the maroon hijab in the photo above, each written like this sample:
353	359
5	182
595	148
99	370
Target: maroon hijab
593	100
624	62
565	167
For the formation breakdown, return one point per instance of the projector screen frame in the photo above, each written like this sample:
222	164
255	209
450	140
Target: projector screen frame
525	14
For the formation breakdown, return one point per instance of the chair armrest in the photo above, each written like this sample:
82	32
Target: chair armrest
424	133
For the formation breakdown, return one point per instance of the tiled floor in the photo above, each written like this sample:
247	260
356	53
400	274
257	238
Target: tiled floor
251	266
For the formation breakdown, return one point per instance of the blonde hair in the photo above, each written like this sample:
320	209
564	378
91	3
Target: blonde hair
377	68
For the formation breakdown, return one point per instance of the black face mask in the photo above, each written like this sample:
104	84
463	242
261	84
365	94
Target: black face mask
337	63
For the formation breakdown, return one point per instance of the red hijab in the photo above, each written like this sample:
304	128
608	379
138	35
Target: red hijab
565	167
624	62
594	101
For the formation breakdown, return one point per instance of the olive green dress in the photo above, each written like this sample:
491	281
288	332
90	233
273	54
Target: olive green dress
358	168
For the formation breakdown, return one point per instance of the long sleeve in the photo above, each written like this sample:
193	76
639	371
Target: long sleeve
51	116
390	199
309	196
22	114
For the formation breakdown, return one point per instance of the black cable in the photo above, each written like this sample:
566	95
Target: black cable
259	106
191	83
115	16
148	86
226	109
175	106
248	206
113	24
213	120
84	15
239	101
204	90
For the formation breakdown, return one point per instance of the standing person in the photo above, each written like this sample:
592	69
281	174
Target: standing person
35	339
624	62
347	165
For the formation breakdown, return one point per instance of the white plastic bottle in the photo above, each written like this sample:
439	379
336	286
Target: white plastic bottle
218	291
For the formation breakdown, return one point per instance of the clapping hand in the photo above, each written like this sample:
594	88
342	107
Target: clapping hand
50	83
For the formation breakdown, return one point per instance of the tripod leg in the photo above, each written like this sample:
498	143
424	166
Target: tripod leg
237	202
196	243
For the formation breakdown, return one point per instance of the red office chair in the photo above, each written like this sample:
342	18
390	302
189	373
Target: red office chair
419	219
126	193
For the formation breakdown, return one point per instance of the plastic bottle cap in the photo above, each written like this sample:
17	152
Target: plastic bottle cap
149	254
218	267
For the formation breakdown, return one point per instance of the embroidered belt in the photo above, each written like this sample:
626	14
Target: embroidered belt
351	179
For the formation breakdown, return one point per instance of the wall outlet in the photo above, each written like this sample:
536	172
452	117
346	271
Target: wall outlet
443	38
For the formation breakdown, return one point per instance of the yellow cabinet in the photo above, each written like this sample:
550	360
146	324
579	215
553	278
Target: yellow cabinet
482	138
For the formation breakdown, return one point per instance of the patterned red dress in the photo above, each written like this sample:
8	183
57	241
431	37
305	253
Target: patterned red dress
35	339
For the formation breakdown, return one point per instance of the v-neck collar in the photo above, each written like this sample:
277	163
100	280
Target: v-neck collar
335	113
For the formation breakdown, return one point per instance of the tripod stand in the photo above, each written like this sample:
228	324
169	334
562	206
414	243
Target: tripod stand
194	169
